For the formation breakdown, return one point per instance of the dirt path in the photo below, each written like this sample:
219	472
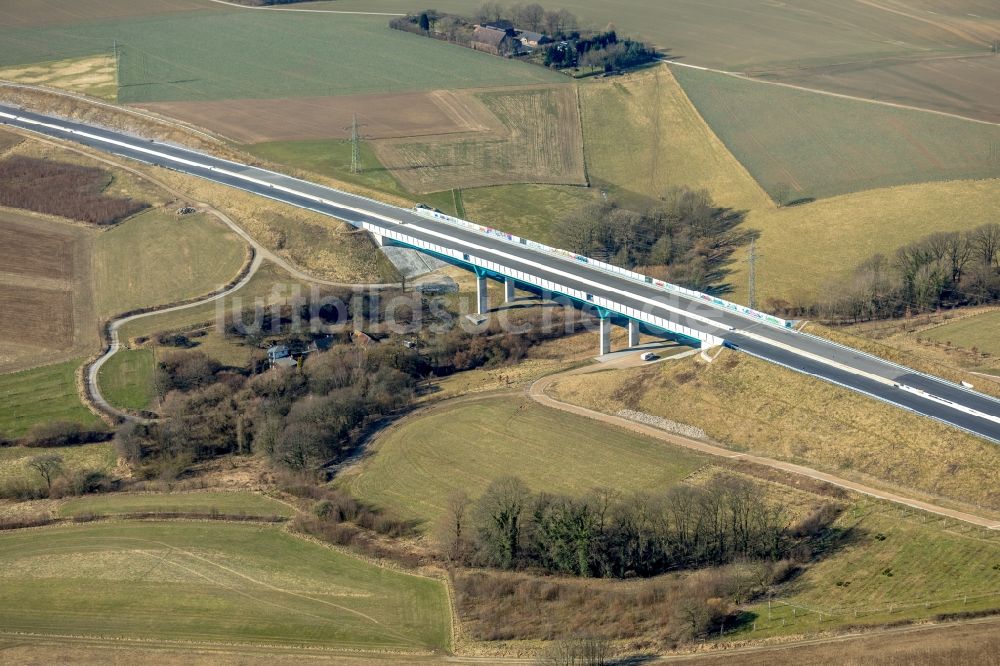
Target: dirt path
537	391
259	254
310	11
828	93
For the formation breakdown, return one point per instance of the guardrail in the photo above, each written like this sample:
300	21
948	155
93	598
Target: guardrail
707	340
714	301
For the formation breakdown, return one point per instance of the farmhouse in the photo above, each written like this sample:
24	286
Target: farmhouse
493	40
531	39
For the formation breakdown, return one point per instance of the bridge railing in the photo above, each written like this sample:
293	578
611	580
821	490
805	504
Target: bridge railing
701	297
707	340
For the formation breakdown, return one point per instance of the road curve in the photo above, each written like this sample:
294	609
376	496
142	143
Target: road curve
875	377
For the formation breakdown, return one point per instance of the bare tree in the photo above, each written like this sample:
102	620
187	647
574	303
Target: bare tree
48	467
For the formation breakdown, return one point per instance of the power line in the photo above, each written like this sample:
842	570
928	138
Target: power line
355	146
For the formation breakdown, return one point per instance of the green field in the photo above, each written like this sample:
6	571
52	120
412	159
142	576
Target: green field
736	36
466	446
269	284
211	582
981	332
232	503
159	257
916	563
13	460
126	379
801	145
331	158
40	395
225	53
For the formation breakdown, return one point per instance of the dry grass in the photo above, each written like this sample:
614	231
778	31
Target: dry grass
753	406
643	134
322	246
804	250
94	76
534	136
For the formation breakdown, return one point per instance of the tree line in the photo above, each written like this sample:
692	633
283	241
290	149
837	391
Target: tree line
606	534
684	238
941	270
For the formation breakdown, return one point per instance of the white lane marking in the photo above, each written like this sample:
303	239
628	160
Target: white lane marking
393	221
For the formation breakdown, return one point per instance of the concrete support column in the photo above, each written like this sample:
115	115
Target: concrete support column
379	239
605	336
633	333
482	295
508	290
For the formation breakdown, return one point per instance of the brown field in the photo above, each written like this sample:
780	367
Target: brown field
379	117
32	13
539	139
967	86
45	290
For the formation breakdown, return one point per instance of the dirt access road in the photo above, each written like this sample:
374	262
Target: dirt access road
537	391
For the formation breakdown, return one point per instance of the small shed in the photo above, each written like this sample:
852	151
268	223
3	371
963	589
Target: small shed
277	352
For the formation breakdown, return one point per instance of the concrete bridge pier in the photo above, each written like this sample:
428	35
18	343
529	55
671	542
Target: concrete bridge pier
508	290
482	293
633	333
604	346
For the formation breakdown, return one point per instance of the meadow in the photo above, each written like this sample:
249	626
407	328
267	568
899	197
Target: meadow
197	502
980	332
41	395
159	257
202	55
212	583
126	379
643	135
891	565
801	146
805	251
269	285
418	464
14	459
750	405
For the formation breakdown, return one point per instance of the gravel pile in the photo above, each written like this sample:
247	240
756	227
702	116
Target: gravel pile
663	424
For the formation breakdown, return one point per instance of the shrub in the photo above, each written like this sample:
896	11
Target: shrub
62	433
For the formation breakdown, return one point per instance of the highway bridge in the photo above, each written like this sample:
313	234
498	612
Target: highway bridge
616	295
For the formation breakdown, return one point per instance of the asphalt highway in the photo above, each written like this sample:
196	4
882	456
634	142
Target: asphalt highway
930	396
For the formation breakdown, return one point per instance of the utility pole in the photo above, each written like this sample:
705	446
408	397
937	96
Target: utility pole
355	146
752	279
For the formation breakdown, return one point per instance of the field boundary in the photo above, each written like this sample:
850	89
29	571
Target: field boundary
830	93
